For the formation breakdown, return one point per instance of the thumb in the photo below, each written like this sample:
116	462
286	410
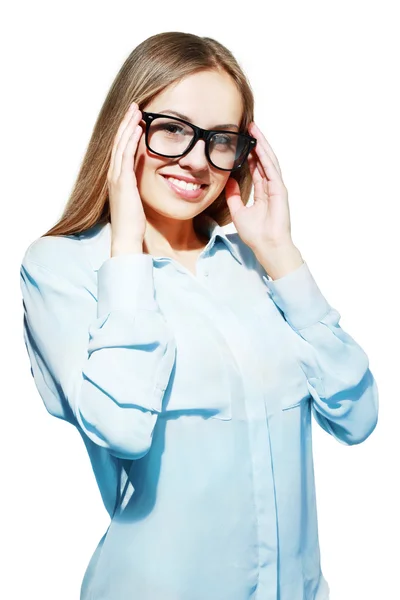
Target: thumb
232	195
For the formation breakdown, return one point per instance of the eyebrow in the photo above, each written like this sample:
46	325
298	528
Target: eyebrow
186	118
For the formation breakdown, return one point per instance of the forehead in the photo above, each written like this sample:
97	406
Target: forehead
207	98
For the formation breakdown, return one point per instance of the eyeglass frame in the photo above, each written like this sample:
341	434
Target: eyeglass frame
199	134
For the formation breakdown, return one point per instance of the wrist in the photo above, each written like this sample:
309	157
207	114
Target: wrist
131	247
280	259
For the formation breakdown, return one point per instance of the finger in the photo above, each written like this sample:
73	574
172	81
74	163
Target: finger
263	142
121	128
128	160
129	129
266	144
117	136
260	184
266	165
261	191
254	170
233	197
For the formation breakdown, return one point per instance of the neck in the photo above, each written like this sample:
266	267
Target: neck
172	236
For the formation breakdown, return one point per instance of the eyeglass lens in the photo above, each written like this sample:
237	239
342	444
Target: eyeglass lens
171	138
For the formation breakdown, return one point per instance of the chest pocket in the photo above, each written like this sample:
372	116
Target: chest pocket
199	383
279	347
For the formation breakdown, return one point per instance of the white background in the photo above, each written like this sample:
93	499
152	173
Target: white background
325	78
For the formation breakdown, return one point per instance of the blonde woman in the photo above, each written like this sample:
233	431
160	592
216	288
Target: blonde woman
190	359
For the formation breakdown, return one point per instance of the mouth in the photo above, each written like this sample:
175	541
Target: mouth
181	192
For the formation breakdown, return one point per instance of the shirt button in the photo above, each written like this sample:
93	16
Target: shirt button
205	273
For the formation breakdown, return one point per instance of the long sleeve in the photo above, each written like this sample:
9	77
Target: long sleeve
103	366
343	390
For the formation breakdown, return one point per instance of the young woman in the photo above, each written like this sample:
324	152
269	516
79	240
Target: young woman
189	359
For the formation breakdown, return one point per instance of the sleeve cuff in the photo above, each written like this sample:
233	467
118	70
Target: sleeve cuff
299	297
126	282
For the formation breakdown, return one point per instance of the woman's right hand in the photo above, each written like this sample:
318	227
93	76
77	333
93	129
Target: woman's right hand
128	220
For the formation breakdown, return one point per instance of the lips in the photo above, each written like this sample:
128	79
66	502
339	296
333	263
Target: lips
182	193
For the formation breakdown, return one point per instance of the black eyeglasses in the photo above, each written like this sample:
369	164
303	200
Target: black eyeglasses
173	137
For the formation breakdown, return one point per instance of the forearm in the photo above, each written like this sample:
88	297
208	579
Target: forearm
343	390
104	365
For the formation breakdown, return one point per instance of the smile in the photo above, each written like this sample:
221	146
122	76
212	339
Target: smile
184	189
185	185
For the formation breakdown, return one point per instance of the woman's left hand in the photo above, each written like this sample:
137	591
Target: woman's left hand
266	223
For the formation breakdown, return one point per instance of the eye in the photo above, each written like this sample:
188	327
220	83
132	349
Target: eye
223	142
222	139
172	128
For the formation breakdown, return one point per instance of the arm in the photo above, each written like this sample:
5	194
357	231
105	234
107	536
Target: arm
343	390
105	366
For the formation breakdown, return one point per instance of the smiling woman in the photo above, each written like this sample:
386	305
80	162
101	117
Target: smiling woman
179	149
189	359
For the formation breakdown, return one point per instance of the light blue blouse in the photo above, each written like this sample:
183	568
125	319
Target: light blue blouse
194	396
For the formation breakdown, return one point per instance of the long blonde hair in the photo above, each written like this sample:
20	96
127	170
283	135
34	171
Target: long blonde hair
153	65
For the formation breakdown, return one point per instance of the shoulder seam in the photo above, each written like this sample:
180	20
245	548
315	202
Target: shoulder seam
28	257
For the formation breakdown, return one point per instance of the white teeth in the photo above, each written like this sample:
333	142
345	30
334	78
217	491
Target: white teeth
184	184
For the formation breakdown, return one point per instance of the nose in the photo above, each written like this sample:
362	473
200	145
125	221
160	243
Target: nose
196	158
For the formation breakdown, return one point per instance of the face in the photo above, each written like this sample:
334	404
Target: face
208	99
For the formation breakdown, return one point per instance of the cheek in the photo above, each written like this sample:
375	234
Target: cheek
220	181
143	162
218	184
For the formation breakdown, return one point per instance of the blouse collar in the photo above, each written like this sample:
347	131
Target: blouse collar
98	240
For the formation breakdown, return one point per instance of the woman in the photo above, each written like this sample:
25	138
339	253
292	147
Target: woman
191	360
